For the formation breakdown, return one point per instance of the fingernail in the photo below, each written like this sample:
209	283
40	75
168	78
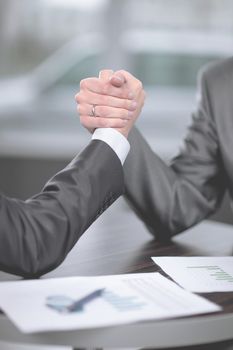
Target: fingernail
118	78
133	105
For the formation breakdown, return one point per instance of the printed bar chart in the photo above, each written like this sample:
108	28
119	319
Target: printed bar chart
216	272
200	274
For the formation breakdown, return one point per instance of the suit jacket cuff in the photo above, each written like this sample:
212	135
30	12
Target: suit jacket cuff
115	140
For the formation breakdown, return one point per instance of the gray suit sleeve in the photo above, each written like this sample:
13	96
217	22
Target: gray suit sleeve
172	198
37	234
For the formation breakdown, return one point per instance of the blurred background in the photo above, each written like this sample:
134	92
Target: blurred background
48	46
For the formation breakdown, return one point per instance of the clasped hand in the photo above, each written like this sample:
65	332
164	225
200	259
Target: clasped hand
114	100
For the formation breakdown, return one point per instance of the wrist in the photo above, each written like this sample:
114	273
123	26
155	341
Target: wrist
115	139
123	132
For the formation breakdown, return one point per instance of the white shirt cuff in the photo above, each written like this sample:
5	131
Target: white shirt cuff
115	140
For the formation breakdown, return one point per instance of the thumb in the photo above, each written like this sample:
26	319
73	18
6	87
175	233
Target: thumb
117	79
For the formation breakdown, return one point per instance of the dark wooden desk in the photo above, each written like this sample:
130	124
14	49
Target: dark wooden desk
119	243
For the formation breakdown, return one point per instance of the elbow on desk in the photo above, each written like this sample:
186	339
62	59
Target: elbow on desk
29	266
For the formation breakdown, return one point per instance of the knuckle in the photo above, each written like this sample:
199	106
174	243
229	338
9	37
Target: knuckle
139	85
79	109
83	84
79	97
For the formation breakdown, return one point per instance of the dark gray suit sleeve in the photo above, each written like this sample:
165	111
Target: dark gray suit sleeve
37	234
169	199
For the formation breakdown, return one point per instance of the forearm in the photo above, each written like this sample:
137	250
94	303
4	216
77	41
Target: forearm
36	235
169	199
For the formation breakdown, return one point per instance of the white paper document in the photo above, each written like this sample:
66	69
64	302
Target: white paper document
199	274
34	305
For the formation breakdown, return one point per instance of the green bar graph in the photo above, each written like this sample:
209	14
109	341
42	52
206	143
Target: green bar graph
216	272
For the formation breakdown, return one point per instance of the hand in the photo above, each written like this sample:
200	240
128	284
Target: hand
118	99
112	106
122	79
